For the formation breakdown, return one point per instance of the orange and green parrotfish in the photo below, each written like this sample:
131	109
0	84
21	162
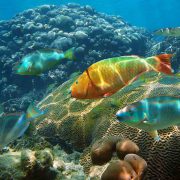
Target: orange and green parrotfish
106	77
41	60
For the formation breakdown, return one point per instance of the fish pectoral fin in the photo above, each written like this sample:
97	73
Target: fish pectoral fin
154	134
149	76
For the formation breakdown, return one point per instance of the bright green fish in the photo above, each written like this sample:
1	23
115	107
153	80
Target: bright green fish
13	126
42	60
152	114
168	32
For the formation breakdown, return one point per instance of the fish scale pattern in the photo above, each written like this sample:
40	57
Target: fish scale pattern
82	122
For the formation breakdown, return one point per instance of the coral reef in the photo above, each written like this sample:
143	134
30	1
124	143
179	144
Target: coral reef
90	120
43	164
95	35
79	124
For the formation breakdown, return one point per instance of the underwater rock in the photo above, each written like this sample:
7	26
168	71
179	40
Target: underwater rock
63	27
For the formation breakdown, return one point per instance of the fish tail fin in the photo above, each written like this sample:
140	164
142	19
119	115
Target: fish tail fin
161	63
69	54
164	63
34	112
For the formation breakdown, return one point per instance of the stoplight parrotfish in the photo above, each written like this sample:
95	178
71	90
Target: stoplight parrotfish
40	61
106	77
152	114
168	32
13	126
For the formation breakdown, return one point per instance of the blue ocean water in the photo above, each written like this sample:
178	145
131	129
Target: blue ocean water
152	14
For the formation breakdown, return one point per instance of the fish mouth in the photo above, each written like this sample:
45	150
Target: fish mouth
120	115
118	112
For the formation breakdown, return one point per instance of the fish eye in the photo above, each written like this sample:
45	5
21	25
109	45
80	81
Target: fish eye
76	82
131	111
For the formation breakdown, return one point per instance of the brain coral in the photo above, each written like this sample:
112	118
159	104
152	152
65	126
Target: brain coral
81	122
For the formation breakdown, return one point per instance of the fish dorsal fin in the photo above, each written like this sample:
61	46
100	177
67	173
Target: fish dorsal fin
165	63
126	58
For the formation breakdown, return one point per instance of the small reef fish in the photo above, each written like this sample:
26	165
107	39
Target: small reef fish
41	60
152	114
168	32
13	126
106	77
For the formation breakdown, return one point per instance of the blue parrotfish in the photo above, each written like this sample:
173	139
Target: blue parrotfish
13	126
152	114
41	61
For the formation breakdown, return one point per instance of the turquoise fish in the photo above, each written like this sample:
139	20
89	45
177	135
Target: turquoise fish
152	114
40	61
13	126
